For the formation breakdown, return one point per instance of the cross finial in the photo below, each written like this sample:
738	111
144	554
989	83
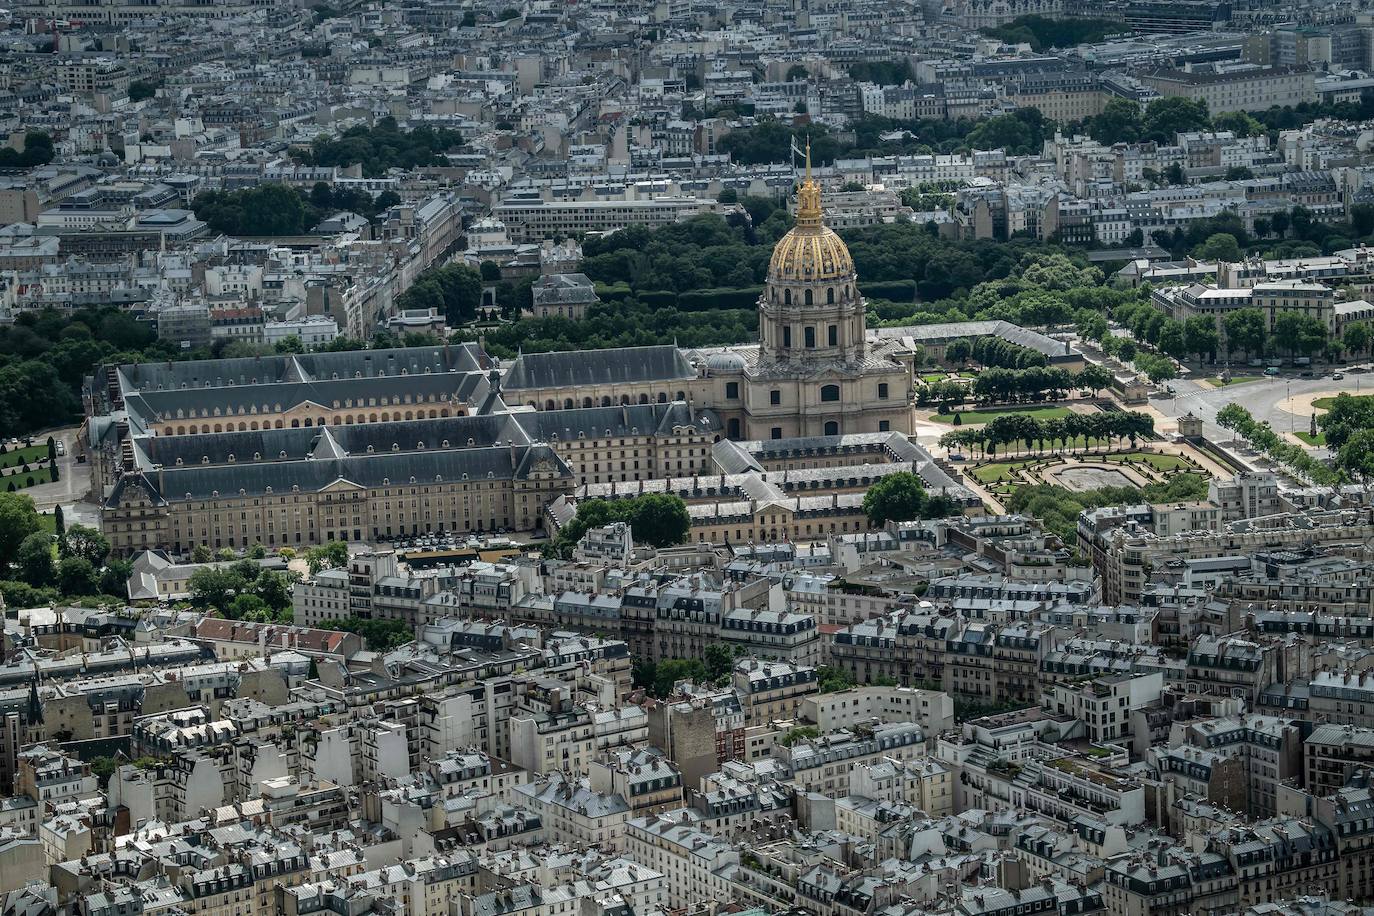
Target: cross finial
808	156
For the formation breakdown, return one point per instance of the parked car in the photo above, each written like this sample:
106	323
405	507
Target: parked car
1272	370
1337	376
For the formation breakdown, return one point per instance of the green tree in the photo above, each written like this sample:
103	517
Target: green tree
898	497
84	542
1238	122
1220	246
274	589
59	523
248	607
1346	416
1021	133
18	520
660	519
1299	332
102	768
1200	334
797	73
1246	331
327	556
1167	117
266	209
215	587
34	561
1356	337
114	578
379	635
1356	456
720	660
1362	218
140	90
831	679
201	554
1119	122
76	576
671	670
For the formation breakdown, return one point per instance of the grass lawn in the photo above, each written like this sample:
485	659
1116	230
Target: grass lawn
48	523
15	458
1325	403
932	377
1162	463
1318	439
988	474
1235	380
979	417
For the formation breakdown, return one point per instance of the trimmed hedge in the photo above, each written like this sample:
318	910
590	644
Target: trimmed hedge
698	300
893	290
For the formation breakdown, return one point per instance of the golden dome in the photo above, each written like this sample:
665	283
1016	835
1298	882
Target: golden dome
810	252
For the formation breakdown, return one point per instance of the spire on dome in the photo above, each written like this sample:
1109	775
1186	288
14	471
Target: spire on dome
808	196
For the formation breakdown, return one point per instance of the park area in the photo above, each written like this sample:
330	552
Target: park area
1081	473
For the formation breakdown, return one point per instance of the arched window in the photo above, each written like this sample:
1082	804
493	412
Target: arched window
567	403
830	392
787	297
832	428
830	295
808	296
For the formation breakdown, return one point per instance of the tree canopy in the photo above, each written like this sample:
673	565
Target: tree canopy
384	146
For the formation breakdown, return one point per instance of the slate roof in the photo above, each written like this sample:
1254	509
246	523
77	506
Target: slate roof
597	367
622	420
371	471
323	442
259	370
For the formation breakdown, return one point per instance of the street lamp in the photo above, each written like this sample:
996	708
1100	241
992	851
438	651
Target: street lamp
1292	417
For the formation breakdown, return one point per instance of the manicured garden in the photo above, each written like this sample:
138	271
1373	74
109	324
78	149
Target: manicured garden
1164	464
1318	439
25	467
18	457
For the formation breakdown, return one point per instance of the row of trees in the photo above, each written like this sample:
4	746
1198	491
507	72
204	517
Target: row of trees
990	350
1038	383
1075	432
1262	438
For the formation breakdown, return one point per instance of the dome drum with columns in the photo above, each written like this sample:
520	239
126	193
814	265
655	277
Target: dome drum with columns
811	308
